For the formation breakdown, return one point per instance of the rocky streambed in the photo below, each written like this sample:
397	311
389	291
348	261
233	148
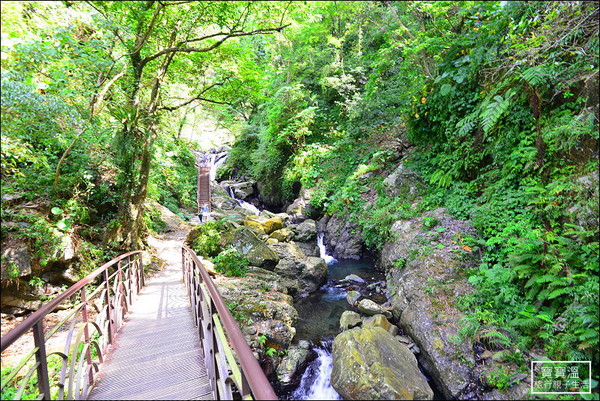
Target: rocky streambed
391	330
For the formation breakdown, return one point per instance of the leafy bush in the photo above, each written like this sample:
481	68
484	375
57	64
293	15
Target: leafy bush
231	262
208	240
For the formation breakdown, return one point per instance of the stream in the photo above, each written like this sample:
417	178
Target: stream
318	323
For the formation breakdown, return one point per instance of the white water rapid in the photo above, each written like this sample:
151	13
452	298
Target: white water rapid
244	204
323	252
315	383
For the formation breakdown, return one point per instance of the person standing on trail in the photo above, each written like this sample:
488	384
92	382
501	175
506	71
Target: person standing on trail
203	212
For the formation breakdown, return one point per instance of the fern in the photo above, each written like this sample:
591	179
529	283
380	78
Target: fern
466	125
494	339
493	111
534	76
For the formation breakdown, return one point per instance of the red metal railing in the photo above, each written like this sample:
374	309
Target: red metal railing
218	330
93	321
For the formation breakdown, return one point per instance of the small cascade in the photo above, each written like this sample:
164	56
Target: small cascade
244	204
316	383
323	252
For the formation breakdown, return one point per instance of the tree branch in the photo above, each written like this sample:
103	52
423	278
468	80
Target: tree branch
211	47
198	97
102	92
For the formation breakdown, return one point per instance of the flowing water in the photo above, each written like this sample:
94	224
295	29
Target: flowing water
315	383
318	322
244	204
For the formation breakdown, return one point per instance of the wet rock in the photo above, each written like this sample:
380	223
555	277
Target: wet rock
306	231
368	307
309	248
307	272
288	367
376	285
355	278
241	190
352	297
313	275
368	364
256	251
349	319
220	199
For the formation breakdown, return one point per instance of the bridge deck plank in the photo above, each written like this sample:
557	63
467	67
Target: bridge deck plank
157	353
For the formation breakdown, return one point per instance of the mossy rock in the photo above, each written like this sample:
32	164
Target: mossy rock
370	364
272	224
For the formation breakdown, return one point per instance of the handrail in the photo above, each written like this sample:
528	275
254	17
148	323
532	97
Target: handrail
87	339
205	298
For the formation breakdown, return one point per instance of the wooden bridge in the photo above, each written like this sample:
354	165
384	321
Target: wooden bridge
128	337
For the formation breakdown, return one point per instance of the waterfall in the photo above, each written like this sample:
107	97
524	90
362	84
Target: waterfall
216	161
316	380
323	252
244	204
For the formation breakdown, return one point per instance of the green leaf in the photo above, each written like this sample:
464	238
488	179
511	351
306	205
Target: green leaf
64	224
56	210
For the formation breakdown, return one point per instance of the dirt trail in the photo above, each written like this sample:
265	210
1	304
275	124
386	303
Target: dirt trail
168	245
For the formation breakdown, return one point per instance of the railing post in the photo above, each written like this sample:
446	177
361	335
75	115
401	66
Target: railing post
142	279
40	357
86	334
108	307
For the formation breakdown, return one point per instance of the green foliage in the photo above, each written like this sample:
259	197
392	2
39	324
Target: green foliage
231	262
208	241
500	378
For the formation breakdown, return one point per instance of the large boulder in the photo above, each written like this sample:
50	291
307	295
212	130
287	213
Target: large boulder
301	209
307	274
313	274
425	264
306	231
248	244
16	259
309	248
261	306
294	359
370	364
240	190
342	237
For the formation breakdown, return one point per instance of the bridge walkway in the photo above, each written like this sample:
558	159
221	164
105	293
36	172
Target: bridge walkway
157	354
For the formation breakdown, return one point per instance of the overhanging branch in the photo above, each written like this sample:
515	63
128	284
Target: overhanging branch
199	97
178	49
